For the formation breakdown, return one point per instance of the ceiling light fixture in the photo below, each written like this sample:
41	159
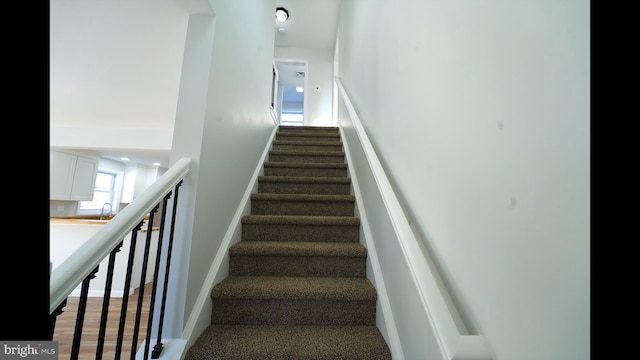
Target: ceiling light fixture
282	14
299	89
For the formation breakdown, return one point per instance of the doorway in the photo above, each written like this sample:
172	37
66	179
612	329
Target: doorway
292	84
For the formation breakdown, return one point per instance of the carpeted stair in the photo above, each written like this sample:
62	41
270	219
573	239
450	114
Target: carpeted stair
297	286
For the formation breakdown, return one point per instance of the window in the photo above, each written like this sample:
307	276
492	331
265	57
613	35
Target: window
103	193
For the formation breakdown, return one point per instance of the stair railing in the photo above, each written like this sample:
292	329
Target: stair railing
82	265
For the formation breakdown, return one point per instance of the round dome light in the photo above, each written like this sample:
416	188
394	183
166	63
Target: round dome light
282	14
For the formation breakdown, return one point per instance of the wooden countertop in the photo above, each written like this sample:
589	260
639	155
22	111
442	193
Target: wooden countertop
88	220
71	221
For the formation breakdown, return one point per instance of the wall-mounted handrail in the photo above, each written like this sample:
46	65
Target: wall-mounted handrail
452	336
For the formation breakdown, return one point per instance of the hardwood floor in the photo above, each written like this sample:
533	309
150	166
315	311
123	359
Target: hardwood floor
66	322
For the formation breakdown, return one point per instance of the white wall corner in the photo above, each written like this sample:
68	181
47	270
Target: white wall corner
472	347
198	6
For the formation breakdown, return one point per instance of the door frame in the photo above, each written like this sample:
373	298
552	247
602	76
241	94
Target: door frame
280	95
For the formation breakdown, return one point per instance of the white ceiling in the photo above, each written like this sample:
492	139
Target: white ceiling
139	156
311	24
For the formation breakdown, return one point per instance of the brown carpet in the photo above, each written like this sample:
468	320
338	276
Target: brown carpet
297	286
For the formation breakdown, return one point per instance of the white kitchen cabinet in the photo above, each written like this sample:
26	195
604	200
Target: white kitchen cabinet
61	170
72	177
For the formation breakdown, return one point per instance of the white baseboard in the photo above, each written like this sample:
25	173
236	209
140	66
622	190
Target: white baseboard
172	349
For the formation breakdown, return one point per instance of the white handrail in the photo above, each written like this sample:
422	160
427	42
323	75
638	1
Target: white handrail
452	336
66	277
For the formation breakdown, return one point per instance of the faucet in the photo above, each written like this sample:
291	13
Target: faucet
102	211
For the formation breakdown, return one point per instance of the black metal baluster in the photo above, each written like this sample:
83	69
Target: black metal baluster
82	307
157	349
105	301
125	295
155	277
145	263
54	316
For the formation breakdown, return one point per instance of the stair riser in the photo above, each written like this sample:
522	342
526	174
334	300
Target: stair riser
309	130
313	159
306	129
296	232
304	188
303	266
307	137
307	147
281	171
230	342
292	312
272	207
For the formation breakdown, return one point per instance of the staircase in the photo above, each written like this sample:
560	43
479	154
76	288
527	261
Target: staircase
297	286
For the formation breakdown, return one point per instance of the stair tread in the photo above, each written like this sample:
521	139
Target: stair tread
308	152
293	342
291	248
301	219
308	127
307	142
304	179
305	165
310	133
302	197
296	288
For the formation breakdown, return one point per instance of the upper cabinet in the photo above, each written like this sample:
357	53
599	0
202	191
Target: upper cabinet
72	177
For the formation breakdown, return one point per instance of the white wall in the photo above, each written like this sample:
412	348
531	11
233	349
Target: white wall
479	112
65	239
319	75
113	64
293	106
223	124
129	184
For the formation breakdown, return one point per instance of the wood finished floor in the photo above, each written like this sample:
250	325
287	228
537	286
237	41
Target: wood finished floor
66	322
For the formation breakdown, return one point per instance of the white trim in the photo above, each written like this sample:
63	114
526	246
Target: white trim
172	349
273	115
